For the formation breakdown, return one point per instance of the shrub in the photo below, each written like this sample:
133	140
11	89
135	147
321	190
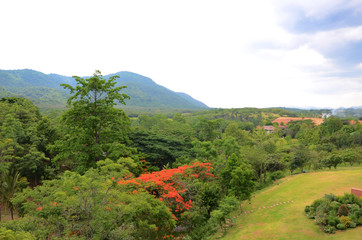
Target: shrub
335	205
345	220
320	201
333	212
353	208
329	229
9	234
359	221
307	209
321	213
331	197
277	175
321	218
343	210
333	220
352	225
354	217
341	226
348	198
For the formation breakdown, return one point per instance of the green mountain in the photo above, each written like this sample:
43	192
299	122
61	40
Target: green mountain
45	90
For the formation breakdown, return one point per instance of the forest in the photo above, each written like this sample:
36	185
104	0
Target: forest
99	170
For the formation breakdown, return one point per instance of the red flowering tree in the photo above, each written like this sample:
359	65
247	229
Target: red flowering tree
170	187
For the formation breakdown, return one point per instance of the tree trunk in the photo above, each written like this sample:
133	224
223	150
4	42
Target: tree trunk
12	213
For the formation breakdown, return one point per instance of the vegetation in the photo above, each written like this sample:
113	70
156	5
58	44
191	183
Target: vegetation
333	212
277	212
45	91
94	172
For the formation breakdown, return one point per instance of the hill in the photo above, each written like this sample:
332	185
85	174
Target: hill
45	90
278	212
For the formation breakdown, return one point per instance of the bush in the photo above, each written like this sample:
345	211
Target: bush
343	210
11	235
335	205
348	198
321	217
359	221
333	220
329	229
277	175
353	208
333	211
352	225
331	197
307	209
345	220
341	226
320	201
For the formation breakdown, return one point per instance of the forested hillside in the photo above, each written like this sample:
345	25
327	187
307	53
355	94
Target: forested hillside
93	172
45	90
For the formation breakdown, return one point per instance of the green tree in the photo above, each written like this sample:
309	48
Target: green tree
8	187
300	157
332	160
92	123
350	155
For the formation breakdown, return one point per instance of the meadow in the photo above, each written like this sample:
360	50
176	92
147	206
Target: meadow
277	212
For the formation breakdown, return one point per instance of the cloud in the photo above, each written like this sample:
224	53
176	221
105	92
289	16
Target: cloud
226	54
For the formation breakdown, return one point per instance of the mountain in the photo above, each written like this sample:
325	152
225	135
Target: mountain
44	89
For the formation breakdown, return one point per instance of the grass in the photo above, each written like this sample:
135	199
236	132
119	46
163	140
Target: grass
264	219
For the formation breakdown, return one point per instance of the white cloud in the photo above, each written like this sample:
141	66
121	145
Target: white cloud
330	40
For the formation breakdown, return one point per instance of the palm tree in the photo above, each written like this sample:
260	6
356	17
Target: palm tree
8	187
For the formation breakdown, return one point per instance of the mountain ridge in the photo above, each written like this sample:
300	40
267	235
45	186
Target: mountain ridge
45	88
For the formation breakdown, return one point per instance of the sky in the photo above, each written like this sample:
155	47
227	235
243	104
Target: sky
225	53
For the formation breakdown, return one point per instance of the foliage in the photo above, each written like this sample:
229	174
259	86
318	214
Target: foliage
331	211
332	160
93	208
345	220
7	234
92	123
341	226
343	210
159	149
329	229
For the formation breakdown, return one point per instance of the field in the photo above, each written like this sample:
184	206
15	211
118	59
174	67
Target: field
278	211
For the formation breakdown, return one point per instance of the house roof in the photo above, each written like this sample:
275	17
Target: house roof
286	120
269	128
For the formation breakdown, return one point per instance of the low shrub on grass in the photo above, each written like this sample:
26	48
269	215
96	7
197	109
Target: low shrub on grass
359	221
343	210
333	212
341	226
333	221
307	209
352	225
349	198
335	205
345	220
329	229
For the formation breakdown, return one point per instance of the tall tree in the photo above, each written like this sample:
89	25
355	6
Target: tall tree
92	123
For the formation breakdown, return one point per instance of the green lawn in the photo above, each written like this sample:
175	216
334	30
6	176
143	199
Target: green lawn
287	220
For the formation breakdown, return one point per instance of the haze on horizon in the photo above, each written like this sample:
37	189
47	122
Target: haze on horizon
227	54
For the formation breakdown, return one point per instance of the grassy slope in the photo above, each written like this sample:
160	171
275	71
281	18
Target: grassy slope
287	220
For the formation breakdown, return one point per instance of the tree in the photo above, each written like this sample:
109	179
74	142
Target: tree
350	156
332	160
8	187
92	123
300	157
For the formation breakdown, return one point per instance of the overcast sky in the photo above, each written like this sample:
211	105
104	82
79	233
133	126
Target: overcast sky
224	53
